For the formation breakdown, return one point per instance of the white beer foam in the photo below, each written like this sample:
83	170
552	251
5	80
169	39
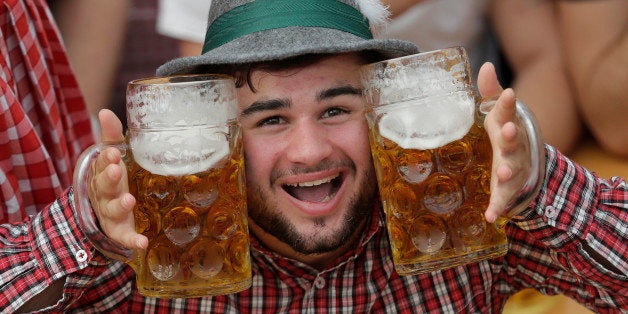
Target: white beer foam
159	107
178	152
423	105
429	122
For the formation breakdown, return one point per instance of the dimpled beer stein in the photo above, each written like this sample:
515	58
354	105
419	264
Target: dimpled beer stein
433	160
184	159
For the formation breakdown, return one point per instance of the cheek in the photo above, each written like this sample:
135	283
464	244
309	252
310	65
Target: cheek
258	156
355	142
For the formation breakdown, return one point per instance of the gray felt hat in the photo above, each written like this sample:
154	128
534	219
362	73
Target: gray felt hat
241	31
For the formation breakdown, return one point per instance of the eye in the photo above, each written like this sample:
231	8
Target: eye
335	111
274	120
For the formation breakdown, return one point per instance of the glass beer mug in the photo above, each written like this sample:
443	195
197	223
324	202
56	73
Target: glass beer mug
433	160
183	154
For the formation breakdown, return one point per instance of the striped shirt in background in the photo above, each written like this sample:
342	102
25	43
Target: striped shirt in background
44	124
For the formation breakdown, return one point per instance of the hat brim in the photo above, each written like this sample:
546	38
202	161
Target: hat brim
282	43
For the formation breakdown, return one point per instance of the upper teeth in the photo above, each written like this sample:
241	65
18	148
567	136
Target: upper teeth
313	183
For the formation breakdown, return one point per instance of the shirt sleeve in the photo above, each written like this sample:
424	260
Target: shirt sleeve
45	248
582	219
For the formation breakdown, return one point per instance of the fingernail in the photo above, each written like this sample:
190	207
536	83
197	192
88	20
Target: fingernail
490	218
141	243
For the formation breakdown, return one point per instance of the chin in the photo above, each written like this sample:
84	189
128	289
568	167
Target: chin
316	235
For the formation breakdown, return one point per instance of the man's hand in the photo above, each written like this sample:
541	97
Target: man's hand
109	191
510	154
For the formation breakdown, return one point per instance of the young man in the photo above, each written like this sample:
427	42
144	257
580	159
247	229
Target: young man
303	125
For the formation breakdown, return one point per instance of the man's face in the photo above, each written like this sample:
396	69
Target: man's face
310	179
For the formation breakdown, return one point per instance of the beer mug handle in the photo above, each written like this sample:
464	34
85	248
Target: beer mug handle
536	147
87	219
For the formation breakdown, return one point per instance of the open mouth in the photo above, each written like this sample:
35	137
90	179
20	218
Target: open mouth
318	191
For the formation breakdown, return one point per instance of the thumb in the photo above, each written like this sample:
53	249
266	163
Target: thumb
111	127
488	85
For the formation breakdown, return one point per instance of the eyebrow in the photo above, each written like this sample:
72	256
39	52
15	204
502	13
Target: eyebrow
263	105
274	104
338	91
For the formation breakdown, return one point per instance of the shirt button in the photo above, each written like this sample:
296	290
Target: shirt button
319	283
550	212
81	256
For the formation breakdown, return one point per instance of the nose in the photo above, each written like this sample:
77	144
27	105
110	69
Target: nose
308	143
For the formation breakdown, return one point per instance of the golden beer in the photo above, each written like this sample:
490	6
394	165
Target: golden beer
434	201
433	159
183	154
197	229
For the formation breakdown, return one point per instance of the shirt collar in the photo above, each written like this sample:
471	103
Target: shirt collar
374	226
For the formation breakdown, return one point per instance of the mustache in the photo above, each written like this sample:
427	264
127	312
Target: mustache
322	166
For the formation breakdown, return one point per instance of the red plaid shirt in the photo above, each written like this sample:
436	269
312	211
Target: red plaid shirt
576	212
44	124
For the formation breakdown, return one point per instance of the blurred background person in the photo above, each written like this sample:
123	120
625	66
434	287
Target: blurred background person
110	43
93	32
595	39
519	36
185	21
44	123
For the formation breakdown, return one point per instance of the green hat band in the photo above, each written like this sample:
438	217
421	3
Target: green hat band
263	15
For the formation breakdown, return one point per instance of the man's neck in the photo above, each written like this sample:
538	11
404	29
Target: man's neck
318	261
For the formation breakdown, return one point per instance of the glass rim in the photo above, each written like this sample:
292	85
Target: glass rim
399	60
181	79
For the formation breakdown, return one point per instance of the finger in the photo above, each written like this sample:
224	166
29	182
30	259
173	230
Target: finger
488	85
508	142
493	212
109	156
110	125
499	201
505	107
500	124
118	210
104	188
107	183
501	191
111	131
118	223
503	133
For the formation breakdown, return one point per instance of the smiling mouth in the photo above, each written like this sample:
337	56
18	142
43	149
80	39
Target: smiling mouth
318	191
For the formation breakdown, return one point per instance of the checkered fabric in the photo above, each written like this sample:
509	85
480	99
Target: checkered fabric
44	124
551	250
571	241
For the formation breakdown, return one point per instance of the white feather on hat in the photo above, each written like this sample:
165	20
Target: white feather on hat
376	12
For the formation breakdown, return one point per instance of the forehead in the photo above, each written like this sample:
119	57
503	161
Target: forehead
328	72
